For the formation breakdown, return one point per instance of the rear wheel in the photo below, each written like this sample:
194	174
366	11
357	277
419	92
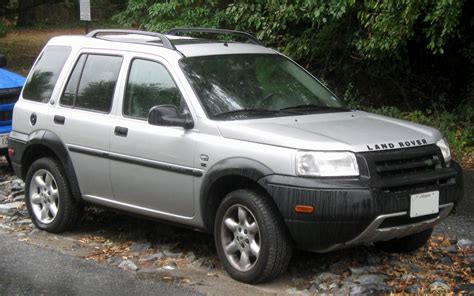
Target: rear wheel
251	238
405	244
48	199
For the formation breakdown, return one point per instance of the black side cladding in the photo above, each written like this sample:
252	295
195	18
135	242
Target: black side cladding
42	138
244	167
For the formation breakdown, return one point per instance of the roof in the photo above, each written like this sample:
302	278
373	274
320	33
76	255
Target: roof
10	80
221	48
149	42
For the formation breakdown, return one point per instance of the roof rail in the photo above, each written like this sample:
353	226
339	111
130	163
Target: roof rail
250	37
166	42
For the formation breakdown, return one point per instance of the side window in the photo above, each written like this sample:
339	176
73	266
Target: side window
92	82
44	76
149	84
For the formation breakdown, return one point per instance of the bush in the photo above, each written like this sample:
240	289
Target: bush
4	29
161	16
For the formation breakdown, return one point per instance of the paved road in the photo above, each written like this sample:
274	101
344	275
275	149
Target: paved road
30	270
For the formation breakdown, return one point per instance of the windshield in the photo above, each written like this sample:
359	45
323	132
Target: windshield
256	85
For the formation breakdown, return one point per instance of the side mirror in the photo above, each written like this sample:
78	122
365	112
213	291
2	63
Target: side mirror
168	115
3	61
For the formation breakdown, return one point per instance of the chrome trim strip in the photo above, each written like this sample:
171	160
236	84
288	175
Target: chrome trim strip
132	208
136	160
373	233
373	226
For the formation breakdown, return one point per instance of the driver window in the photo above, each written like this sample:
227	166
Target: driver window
149	84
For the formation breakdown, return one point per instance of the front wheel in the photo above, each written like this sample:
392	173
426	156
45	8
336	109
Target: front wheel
251	238
405	244
48	199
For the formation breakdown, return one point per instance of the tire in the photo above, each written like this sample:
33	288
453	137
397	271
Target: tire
47	192
262	227
405	244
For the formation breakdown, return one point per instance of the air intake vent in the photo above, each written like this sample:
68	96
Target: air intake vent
404	166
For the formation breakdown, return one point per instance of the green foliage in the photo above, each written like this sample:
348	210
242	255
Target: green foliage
3	30
161	16
301	29
5	27
457	126
389	25
373	28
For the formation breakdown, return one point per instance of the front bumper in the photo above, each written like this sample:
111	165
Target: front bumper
354	211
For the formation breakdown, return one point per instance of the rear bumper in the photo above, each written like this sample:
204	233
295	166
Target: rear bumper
354	211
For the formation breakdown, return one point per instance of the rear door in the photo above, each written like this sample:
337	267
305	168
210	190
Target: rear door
82	118
152	166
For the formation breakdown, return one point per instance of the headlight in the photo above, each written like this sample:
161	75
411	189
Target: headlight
443	145
326	164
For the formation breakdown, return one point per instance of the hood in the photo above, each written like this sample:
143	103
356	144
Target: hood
355	131
10	80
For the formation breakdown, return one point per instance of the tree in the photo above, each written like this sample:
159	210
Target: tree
26	13
410	53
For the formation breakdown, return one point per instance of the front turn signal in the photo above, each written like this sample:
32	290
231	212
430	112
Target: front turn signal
304	209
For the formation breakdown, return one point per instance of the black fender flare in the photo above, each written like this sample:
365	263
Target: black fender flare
235	166
54	143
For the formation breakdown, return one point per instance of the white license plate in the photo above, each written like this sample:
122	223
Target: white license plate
4	141
424	204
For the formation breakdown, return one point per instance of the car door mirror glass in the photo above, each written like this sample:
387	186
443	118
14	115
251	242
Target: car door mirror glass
168	115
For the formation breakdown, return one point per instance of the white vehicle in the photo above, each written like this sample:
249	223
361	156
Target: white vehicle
232	138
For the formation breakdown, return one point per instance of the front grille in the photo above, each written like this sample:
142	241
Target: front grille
6	115
9	95
407	170
403	166
402	162
409	161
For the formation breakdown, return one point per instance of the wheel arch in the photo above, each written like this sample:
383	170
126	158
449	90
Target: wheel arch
45	143
226	176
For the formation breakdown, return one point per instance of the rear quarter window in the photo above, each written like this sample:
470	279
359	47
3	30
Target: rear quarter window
45	73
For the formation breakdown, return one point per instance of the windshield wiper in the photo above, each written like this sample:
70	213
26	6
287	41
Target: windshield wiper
249	111
311	107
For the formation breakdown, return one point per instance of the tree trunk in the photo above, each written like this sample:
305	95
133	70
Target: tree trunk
25	13
222	4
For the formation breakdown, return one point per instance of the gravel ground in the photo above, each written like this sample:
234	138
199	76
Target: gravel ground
161	252
461	223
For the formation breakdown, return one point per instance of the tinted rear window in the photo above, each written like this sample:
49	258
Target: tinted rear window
92	83
44	75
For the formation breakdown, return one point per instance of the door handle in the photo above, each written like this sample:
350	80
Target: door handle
58	119
121	131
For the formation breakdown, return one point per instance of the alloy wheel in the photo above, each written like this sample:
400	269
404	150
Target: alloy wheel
240	237
44	196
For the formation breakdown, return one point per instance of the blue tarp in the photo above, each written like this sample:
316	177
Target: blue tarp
10	80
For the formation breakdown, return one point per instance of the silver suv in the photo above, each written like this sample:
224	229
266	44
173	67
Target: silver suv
228	137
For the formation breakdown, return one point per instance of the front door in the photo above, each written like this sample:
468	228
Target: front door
151	166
